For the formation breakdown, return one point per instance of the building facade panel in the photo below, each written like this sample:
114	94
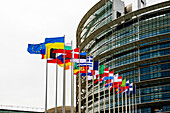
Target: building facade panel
137	48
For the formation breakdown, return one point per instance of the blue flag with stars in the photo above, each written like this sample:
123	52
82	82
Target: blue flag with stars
36	48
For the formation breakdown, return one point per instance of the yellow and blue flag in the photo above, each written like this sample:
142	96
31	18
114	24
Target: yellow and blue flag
36	48
55	43
55	39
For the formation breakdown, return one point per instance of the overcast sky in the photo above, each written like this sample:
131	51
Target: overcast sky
22	75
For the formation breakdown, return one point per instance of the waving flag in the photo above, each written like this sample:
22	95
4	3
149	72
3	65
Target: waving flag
36	48
76	53
96	65
101	69
82	58
55	43
54	39
126	88
89	63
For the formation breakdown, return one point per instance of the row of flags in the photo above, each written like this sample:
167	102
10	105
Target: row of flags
81	63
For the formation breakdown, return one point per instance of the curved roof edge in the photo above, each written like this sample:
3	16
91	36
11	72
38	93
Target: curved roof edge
89	13
113	22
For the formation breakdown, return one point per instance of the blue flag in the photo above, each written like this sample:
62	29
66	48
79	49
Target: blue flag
55	39
36	48
96	65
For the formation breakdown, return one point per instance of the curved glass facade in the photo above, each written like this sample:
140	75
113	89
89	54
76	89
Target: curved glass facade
138	49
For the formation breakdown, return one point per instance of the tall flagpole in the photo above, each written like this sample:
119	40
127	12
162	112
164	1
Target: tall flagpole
79	85
126	99
46	83
72	83
129	103
56	85
132	103
109	96
122	98
98	92
64	81
118	98
113	95
86	85
104	91
135	101
93	92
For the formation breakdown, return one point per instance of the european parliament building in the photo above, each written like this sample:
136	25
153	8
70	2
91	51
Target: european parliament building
134	41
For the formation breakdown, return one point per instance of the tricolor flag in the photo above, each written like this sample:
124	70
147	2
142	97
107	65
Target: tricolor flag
130	88
67	49
126	88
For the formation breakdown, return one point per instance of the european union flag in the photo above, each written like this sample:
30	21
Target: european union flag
36	48
55	39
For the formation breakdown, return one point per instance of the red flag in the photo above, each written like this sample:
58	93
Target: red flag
76	53
61	51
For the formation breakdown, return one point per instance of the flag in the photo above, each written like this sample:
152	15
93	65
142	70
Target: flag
89	63
88	73
60	61
67	49
130	88
96	81
76	69
67	46
123	83
96	65
126	88
106	72
95	73
101	69
134	90
83	55
36	48
55	43
55	39
52	55
82	58
76	53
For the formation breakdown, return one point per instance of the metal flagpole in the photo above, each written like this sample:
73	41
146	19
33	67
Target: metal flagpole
72	83
135	101
56	84
93	89
126	99
64	81
122	99
118	98
99	91
86	86
46	83
79	85
104	91
113	95
132	103
109	96
129	103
